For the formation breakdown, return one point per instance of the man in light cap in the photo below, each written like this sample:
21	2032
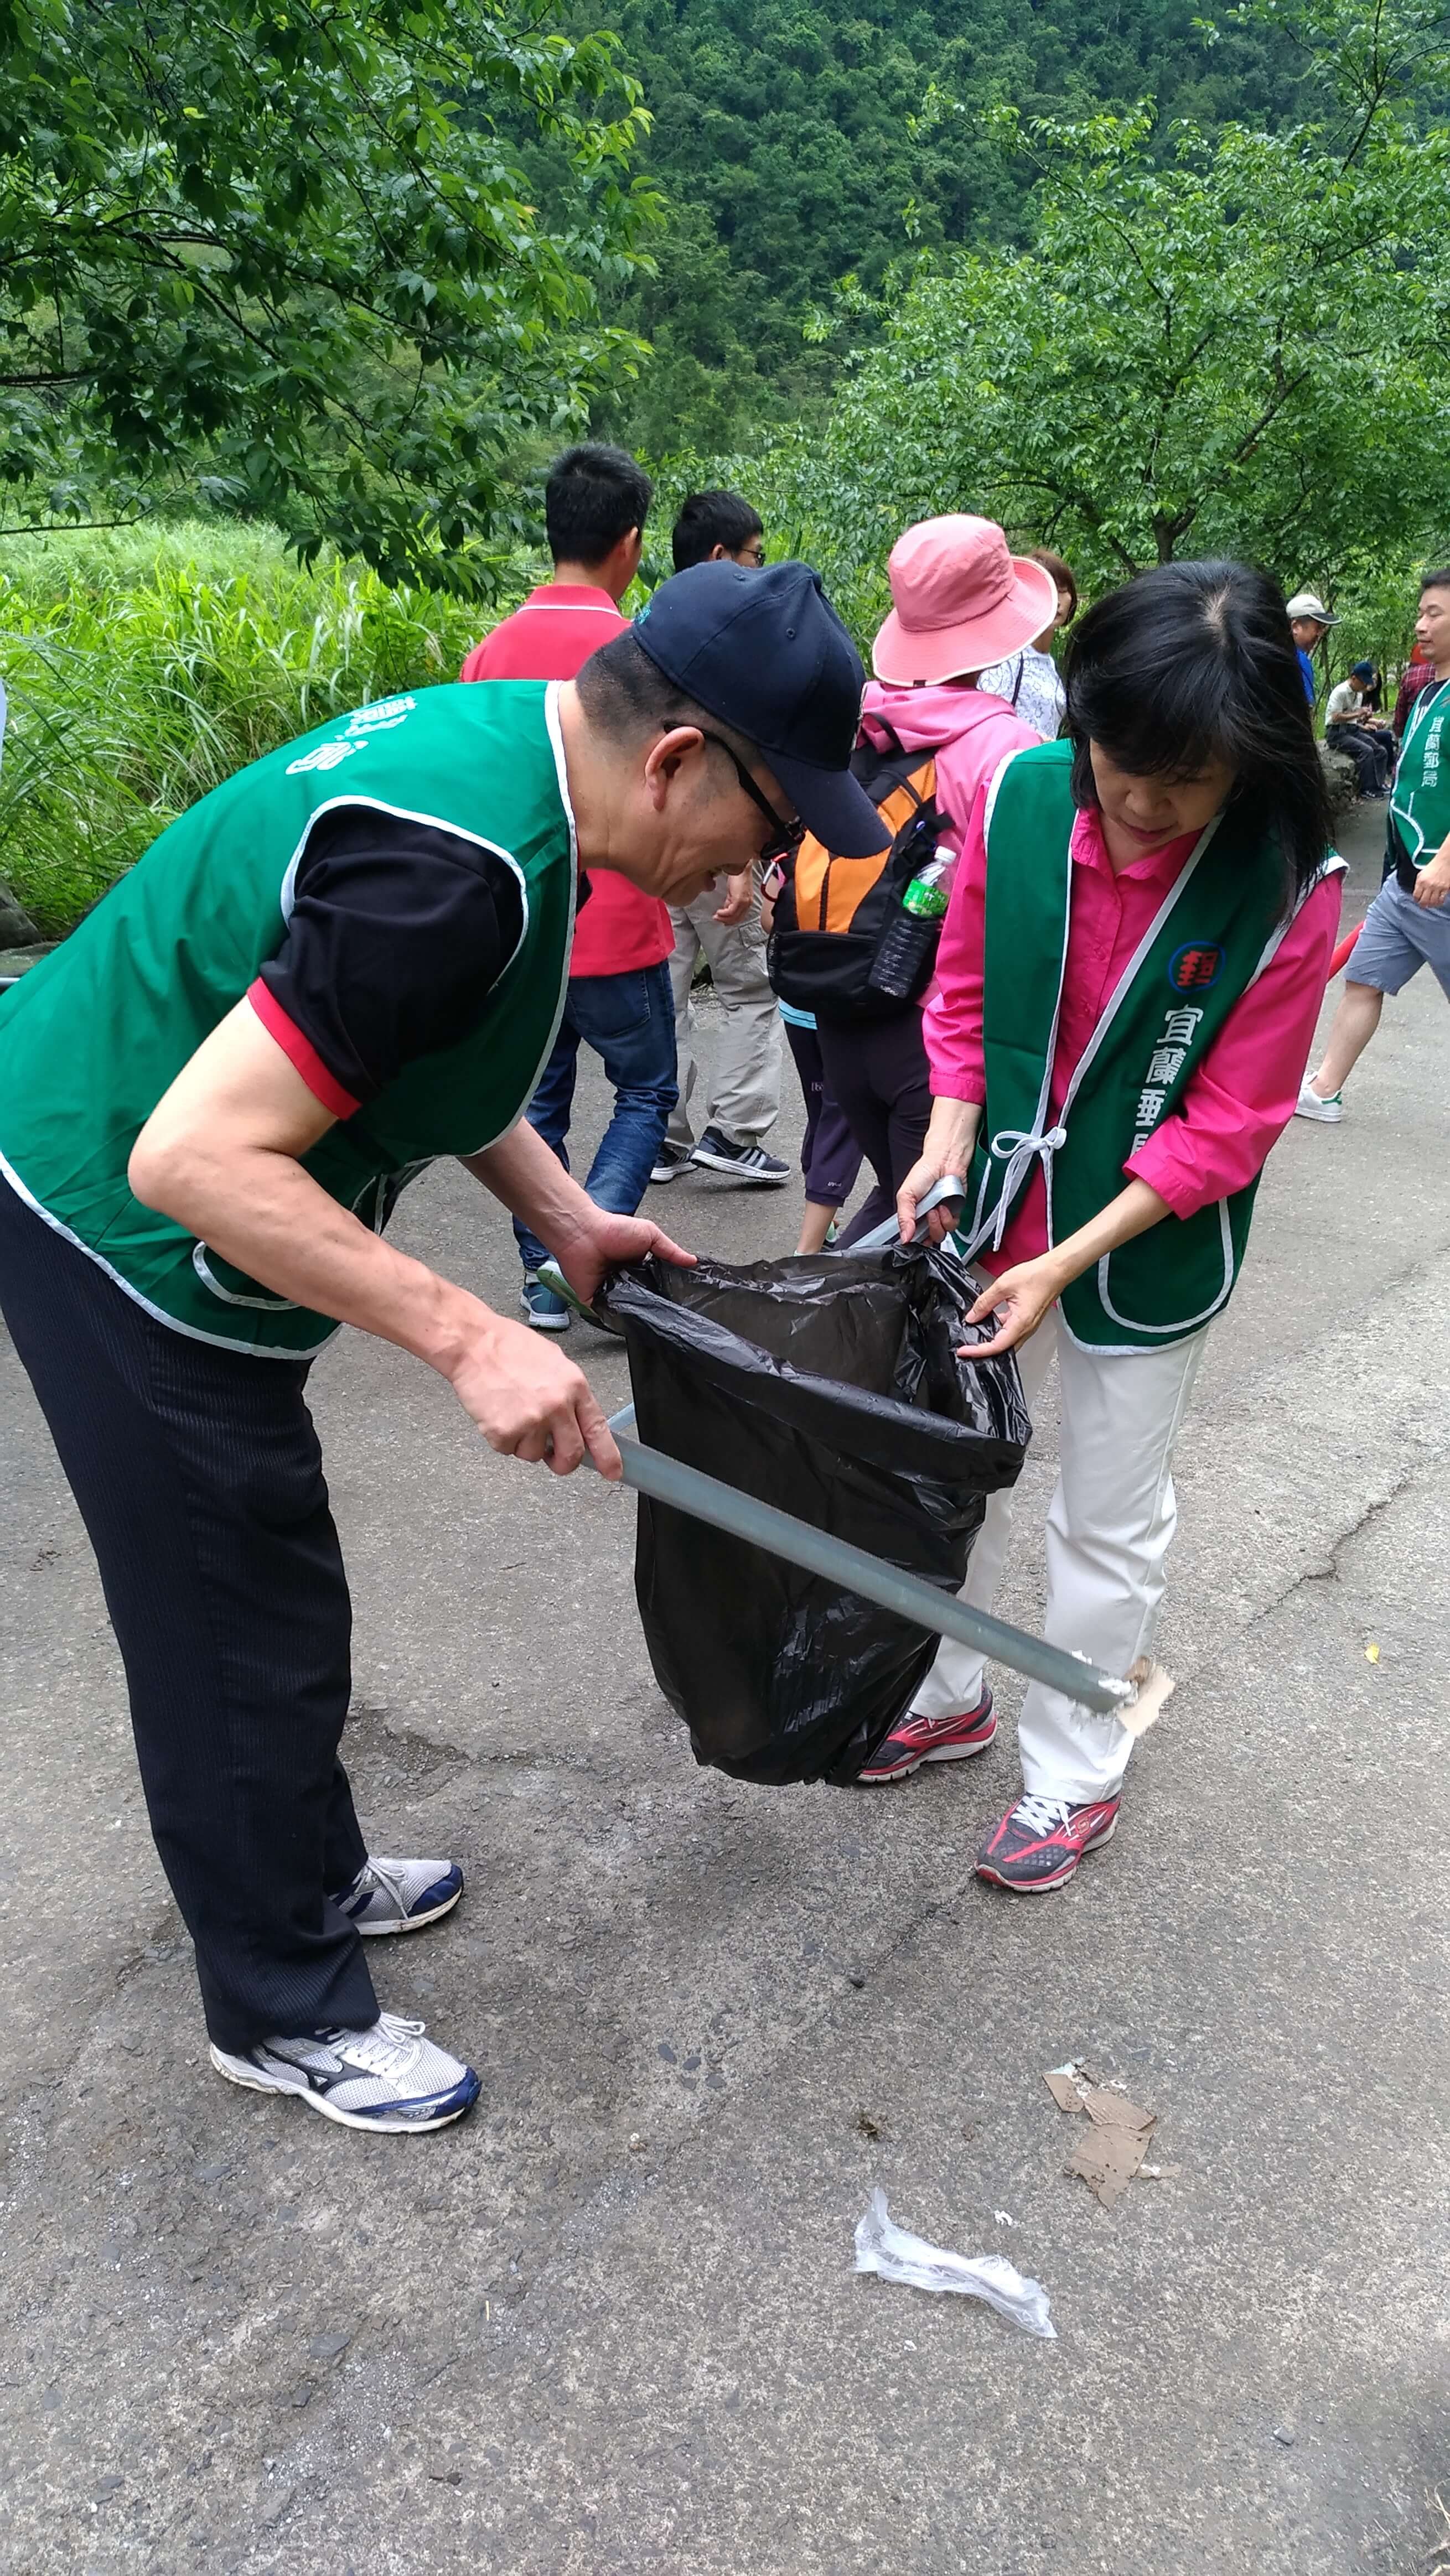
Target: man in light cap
349	960
1309	621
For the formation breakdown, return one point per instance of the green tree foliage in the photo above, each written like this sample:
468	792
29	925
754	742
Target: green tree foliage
787	137
284	250
1239	344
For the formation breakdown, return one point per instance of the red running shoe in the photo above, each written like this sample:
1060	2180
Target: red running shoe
1040	1841
914	1740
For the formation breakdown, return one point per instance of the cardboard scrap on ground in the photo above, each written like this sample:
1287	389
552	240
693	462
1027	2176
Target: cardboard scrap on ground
1112	2152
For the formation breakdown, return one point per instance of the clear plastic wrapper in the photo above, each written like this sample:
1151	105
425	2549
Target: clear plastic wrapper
882	2246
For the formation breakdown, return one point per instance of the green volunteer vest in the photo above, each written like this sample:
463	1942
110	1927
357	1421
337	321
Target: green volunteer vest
1420	803
92	1037
1216	926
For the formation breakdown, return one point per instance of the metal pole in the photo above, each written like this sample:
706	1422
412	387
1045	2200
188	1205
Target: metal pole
687	1489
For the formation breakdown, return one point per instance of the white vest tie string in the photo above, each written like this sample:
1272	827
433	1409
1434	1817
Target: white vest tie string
1016	1146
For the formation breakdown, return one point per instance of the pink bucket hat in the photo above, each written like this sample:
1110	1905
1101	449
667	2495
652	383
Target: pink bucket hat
961	601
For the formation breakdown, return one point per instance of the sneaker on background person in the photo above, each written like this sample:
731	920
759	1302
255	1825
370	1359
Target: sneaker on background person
400	1895
1327	1107
390	2077
1039	1842
742	1160
670	1162
914	1740
546	1312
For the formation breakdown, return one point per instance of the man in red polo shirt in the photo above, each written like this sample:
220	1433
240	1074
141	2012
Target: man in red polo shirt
619	1000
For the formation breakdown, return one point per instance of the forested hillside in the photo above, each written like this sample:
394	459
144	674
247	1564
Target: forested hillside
789	144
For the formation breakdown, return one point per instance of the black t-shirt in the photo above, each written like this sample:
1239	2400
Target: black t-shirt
398	933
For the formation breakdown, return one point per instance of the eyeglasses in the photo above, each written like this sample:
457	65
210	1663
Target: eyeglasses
752	555
786	837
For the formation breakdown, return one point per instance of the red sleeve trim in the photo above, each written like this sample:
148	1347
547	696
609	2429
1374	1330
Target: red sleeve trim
301	1053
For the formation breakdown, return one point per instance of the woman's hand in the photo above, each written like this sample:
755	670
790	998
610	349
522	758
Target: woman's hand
1018	1300
950	1140
1021	1296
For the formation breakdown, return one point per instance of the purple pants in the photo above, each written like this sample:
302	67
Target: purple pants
830	1155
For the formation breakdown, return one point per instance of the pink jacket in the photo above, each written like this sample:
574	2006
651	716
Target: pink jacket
1240	1100
970	732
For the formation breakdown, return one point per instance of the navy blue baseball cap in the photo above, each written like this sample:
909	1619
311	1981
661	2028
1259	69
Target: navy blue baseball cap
767	654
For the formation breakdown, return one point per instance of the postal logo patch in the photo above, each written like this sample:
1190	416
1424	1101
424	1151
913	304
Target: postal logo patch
1193	968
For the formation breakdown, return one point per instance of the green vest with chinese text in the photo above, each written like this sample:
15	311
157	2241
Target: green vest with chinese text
1420	803
1217	925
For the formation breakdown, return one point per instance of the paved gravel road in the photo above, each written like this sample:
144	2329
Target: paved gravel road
610	2324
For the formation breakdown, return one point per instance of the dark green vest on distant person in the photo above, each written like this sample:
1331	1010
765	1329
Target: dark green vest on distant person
1218	923
92	1037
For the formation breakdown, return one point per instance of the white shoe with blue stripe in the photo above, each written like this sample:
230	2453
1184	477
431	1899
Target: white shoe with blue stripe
390	2076
400	1895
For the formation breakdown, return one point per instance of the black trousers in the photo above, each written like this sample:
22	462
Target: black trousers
880	1076
199	1479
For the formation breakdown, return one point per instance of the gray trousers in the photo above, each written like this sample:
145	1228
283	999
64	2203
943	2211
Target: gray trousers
743	1093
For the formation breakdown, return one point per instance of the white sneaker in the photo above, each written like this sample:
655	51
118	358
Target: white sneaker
1310	1104
389	2077
400	1895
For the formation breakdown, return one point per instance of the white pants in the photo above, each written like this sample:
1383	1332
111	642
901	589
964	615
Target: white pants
1109	1528
743	1098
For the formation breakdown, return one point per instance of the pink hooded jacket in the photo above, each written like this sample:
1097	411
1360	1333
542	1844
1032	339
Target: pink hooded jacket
970	733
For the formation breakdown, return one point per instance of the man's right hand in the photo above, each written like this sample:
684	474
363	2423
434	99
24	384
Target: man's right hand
529	1401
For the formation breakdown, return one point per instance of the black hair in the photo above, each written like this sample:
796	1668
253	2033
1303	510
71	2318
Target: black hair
627	698
1434	581
593	497
711	519
1193	662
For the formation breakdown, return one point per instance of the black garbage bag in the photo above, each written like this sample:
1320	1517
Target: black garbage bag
831	1388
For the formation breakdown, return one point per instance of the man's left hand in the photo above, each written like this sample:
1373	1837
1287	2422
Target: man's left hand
1432	885
605	1243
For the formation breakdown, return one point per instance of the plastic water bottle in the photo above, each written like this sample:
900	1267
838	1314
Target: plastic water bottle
904	958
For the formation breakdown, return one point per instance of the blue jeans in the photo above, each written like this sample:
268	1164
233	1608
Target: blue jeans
629	1021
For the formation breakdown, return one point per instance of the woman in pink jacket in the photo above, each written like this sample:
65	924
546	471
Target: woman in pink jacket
960	601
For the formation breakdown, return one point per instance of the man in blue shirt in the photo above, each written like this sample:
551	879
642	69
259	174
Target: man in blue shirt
1309	620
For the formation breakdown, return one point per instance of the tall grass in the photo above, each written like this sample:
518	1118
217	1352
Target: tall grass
141	674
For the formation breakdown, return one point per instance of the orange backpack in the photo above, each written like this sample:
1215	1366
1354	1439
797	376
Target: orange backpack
833	913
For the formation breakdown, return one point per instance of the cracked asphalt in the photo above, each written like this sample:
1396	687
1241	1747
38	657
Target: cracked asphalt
610	2324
